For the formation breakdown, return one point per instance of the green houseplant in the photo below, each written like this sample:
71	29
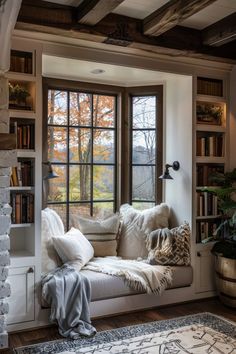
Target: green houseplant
224	248
18	95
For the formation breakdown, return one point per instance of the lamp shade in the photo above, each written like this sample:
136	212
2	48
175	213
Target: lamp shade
166	174
51	174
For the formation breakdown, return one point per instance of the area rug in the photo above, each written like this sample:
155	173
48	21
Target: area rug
195	334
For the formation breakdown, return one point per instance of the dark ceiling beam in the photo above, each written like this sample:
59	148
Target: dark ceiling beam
221	32
46	13
93	11
40	16
172	14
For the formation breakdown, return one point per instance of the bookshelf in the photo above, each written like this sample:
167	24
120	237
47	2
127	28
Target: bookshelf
210	128
210	149
25	108
22	105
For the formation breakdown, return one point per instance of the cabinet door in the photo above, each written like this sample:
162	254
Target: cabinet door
21	301
205	271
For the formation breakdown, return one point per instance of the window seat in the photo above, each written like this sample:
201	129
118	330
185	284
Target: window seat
106	286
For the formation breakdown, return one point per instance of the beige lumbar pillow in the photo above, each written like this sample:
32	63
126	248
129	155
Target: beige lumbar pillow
103	234
136	226
73	246
170	247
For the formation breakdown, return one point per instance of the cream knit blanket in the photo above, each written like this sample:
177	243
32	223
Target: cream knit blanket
138	275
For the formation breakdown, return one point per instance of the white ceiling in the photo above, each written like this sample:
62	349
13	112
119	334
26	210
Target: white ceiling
211	14
142	8
79	70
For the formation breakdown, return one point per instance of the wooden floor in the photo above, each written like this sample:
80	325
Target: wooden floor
51	333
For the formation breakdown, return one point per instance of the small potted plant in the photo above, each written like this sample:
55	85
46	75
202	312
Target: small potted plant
17	95
224	248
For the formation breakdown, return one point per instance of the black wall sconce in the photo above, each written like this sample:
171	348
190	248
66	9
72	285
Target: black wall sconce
51	174
166	174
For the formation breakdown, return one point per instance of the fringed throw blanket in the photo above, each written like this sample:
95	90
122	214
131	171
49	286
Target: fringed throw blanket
68	292
138	275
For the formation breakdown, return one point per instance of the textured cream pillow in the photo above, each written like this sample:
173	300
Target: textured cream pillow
136	226
170	247
103	234
51	226
73	246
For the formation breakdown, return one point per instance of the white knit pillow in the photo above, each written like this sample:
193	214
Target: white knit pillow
136	226
73	246
51	226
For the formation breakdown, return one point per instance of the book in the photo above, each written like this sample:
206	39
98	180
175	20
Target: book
18	201
22	208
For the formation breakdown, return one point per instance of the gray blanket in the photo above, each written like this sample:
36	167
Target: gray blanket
68	293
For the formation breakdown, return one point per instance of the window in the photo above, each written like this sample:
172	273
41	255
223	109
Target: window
144	152
145	111
82	150
86	134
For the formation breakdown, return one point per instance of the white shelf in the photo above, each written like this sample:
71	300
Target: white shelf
210	159
21	188
207	98
201	188
17	226
21	113
17	76
207	217
26	153
20	253
210	128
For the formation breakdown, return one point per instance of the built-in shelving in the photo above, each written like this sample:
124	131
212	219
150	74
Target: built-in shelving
210	152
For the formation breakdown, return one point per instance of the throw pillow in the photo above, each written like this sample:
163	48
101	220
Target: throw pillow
103	234
136	227
52	225
73	246
170	247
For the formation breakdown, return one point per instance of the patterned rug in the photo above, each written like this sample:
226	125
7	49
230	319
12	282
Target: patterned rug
196	334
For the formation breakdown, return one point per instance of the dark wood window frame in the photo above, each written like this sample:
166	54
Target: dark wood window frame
123	182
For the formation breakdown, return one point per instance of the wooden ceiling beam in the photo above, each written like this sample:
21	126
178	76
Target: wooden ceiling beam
221	32
93	11
40	16
172	14
46	13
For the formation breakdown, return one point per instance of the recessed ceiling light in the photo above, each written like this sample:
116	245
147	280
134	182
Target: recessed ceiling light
97	71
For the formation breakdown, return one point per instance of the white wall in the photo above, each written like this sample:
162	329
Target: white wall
178	146
232	112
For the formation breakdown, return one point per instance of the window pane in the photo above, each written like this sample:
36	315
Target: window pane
60	209
144	111
80	145
57	107
143	183
79	183
76	210
103	111
103	182
103	210
142	205
57	144
104	144
80	108
144	147
57	186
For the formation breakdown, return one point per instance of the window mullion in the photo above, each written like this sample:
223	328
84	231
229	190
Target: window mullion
68	163
91	172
